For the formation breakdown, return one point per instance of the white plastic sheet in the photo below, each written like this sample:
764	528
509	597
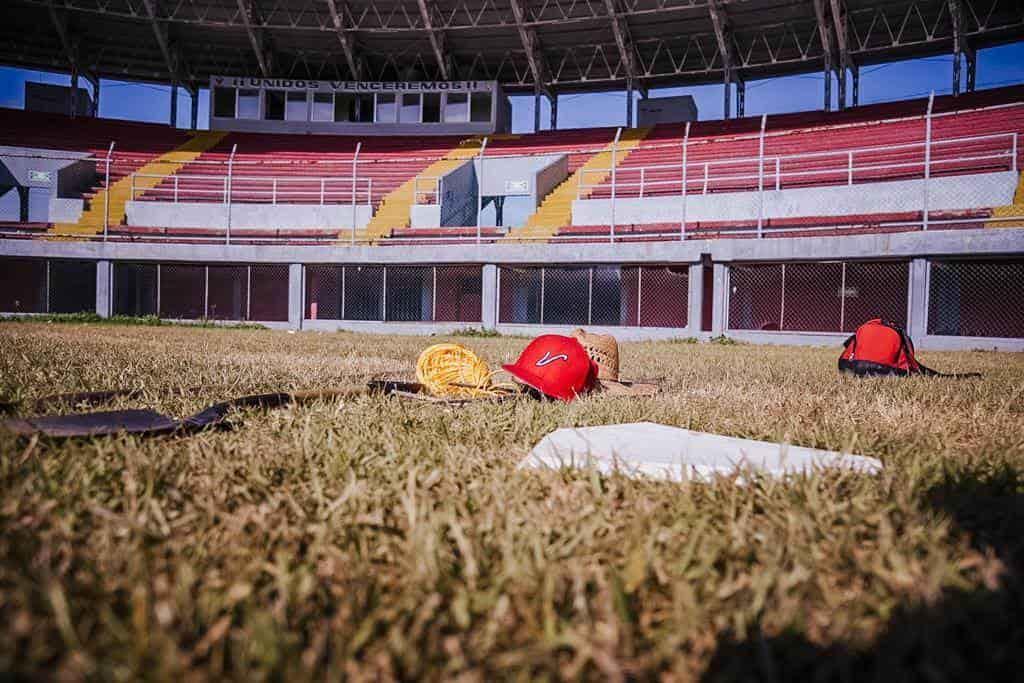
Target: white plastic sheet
670	453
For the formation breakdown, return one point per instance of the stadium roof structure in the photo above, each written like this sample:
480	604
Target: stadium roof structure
541	46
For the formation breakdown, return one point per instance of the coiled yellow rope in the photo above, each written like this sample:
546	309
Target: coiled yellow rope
453	371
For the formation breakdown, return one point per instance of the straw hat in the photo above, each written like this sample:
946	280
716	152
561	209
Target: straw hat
603	349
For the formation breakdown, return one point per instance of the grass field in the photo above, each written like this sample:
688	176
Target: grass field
381	539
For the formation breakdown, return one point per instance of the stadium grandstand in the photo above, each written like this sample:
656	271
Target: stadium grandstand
357	170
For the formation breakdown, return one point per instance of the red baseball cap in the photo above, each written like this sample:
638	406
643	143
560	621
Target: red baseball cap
556	366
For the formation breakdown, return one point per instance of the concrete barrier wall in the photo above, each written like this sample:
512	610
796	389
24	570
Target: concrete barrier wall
944	194
245	216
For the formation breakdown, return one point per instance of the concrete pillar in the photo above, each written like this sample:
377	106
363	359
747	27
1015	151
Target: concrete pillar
917	298
489	297
719	310
295	295
104	289
694	299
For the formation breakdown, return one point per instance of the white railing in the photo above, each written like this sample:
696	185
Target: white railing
833	167
230	188
426	190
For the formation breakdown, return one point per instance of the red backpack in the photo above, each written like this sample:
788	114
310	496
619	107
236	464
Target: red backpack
879	348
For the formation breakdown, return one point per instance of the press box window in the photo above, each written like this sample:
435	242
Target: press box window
344	107
456	107
323	106
295	108
432	107
224	101
248	104
480	107
386	109
410	111
273	105
366	106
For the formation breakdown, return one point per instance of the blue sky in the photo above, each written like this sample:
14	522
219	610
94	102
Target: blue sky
997	66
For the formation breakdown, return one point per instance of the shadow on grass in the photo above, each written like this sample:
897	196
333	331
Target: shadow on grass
975	635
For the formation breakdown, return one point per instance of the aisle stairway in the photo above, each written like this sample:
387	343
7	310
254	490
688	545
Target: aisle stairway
393	211
556	209
1015	209
91	220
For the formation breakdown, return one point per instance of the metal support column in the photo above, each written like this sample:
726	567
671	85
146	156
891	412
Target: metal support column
174	105
760	176
727	103
828	81
682	198
94	81
480	189
615	147
536	110
855	73
927	159
231	163
741	98
972	67
553	100
73	99
194	92
841	76
629	103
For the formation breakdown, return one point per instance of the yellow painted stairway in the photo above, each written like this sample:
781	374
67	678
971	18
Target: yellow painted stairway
91	220
556	209
1013	210
393	211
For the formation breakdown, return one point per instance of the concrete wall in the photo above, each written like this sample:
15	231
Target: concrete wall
949	193
654	110
245	216
499	171
549	177
917	246
55	179
459	196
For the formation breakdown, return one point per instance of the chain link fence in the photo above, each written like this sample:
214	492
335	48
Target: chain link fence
976	298
816	297
197	292
23	285
47	286
394	293
648	296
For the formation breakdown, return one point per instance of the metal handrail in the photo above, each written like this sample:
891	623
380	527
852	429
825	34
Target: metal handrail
433	190
320	187
849	167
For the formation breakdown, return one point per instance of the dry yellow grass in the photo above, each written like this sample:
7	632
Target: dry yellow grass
379	539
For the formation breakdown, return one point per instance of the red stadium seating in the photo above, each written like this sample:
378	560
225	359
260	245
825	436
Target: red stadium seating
135	143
